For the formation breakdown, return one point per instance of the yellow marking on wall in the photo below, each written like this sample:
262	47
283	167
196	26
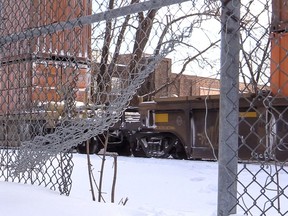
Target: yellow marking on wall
248	114
161	118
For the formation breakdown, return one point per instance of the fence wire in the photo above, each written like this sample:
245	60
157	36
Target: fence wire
70	68
256	185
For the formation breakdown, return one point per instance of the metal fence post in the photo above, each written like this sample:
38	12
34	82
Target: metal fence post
229	103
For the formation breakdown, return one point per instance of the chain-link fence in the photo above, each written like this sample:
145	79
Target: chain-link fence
69	69
253	51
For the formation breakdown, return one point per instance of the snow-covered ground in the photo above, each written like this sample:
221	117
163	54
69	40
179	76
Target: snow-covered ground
154	187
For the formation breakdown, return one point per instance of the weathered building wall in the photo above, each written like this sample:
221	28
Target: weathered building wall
36	70
188	85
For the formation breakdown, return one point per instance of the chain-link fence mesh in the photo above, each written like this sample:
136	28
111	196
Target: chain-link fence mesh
254	37
69	68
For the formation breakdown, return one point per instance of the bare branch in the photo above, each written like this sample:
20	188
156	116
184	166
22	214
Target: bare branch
187	61
169	24
119	41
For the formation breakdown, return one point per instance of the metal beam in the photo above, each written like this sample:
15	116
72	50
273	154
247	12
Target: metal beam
87	20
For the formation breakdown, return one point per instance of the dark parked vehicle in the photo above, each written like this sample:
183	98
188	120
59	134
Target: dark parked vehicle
188	127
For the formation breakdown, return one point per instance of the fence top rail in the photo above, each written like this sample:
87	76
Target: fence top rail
87	20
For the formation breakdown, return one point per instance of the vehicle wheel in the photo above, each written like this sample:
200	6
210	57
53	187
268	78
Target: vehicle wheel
93	147
179	153
125	149
137	150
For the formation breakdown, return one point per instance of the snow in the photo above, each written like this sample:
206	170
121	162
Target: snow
154	187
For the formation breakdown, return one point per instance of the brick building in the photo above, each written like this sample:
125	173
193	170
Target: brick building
184	85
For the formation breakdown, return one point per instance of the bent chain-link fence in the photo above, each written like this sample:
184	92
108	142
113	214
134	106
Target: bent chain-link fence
68	70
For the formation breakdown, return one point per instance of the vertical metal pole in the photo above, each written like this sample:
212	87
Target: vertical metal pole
229	108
